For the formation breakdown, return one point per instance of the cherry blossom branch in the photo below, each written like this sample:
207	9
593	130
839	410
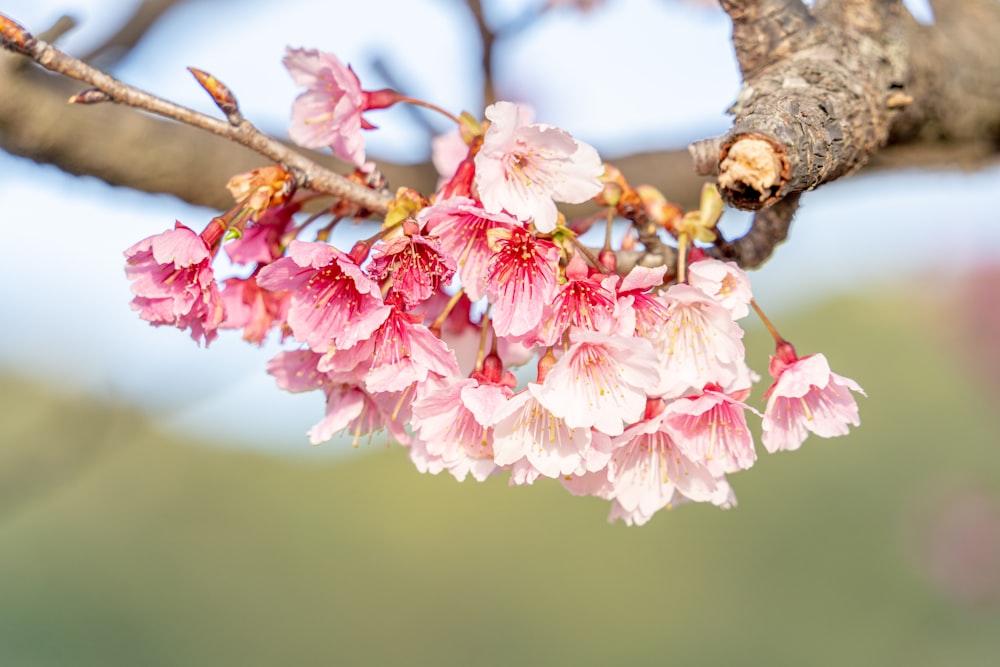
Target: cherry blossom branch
307	173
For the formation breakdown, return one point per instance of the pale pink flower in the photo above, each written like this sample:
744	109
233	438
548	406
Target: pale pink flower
699	343
447	152
601	381
296	371
452	428
806	396
329	112
725	282
648	472
525	429
462	228
333	302
521	279
638	517
415	264
711	429
351	410
522	168
253	309
173	283
633	294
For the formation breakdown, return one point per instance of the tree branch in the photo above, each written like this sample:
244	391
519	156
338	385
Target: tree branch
821	103
145	16
307	173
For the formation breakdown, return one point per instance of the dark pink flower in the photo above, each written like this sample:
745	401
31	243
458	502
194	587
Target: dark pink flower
521	279
262	241
333	302
253	309
415	264
634	294
581	301
403	352
173	283
463	229
349	408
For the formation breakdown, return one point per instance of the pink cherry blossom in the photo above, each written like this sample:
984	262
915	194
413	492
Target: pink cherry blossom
447	152
329	112
262	241
634	296
724	281
349	408
401	352
711	429
173	283
521	279
699	343
252	309
333	302
601	381
296	371
463	229
453	433
415	264
650	472
806	396
525	429
522	168
581	301
353	411
637	517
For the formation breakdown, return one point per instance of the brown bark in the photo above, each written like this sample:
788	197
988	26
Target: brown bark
826	89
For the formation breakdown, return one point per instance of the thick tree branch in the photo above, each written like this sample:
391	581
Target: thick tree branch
825	90
835	92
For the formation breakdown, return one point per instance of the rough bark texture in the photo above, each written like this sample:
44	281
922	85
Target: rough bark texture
826	89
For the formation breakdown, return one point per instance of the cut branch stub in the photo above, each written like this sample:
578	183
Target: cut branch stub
816	109
753	168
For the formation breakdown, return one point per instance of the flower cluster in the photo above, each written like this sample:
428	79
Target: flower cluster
631	385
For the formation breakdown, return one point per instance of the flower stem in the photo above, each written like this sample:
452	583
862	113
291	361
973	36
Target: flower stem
483	331
682	254
439	322
767	323
427	105
596	263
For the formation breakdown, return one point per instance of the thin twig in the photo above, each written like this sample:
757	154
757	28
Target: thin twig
308	174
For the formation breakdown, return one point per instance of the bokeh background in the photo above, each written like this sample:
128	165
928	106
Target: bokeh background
160	505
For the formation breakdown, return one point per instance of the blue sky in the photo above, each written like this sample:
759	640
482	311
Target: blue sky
62	284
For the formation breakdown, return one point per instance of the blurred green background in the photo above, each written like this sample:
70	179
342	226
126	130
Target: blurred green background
122	545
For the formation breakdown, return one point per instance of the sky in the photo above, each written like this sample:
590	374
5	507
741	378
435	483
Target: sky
62	285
